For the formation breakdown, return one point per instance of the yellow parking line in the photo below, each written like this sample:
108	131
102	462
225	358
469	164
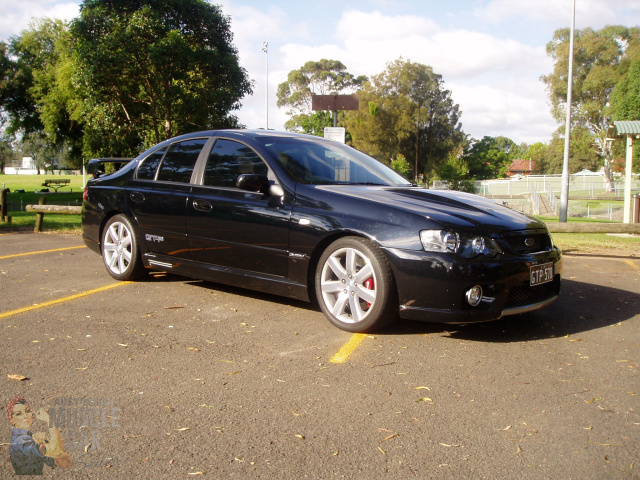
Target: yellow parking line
60	300
632	264
42	251
348	348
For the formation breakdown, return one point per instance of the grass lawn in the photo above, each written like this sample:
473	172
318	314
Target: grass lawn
71	195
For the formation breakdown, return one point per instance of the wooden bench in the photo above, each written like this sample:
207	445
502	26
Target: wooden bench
42	208
56	184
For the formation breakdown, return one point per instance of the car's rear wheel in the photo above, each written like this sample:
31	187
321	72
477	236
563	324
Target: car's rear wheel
120	249
355	287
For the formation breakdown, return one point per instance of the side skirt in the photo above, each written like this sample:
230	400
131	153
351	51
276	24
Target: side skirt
229	276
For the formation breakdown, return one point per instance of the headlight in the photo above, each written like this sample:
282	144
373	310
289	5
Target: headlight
465	245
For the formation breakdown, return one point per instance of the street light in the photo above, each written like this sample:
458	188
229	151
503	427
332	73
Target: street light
265	49
564	192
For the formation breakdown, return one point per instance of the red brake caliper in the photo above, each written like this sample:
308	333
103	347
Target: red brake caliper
369	284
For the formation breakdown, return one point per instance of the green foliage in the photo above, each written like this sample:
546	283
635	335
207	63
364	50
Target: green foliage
312	124
583	152
314	78
625	98
455	173
406	110
600	60
152	70
537	153
487	158
46	48
400	165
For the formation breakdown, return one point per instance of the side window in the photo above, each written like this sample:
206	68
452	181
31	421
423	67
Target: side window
147	169
179	161
227	160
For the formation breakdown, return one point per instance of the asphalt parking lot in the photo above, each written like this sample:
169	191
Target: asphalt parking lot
173	378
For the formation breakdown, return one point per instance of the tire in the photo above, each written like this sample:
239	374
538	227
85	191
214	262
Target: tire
120	249
355	287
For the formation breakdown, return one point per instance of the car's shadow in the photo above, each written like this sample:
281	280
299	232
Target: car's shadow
581	307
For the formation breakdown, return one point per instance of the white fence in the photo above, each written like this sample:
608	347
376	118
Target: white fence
579	185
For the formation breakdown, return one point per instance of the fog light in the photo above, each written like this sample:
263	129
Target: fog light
474	296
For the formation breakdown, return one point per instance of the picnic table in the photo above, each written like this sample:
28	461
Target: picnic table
56	183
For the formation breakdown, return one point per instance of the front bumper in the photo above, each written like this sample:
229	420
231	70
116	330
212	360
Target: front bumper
432	286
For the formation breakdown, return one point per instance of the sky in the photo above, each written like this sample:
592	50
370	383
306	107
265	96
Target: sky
490	53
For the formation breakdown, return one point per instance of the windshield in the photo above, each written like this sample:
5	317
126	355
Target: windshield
322	162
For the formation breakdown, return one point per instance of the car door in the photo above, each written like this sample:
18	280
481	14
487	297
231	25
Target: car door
159	193
236	228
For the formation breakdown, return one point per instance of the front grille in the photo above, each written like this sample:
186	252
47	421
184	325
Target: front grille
538	242
527	295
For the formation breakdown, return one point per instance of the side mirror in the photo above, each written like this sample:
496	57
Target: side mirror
253	183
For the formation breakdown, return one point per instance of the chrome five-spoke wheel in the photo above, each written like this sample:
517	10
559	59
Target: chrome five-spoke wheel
354	285
120	249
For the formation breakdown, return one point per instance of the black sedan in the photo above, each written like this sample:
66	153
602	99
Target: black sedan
316	220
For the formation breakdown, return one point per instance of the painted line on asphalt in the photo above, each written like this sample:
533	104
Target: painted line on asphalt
41	251
60	300
629	262
348	348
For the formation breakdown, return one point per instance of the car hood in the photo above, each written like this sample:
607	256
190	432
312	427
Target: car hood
447	208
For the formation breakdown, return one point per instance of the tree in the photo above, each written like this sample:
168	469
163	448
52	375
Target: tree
455	172
17	80
38	94
625	98
401	165
406	110
537	153
583	152
487	158
601	58
326	77
150	70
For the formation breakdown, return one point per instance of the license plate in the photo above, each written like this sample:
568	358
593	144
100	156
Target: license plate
540	274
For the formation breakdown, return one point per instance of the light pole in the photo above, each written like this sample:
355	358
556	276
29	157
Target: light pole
265	49
564	192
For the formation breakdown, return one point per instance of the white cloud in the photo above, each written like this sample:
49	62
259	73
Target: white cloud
16	15
593	13
495	81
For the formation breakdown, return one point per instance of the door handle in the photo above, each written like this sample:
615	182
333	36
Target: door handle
202	205
136	197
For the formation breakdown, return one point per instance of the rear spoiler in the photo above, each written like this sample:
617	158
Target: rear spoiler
95	166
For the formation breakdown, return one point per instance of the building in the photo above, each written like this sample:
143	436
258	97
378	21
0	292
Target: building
522	167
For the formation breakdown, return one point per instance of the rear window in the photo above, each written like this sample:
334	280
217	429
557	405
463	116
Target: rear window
180	159
147	169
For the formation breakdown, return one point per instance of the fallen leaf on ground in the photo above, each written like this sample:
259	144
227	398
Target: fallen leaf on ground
19	378
123	344
424	399
389	437
422	388
174	307
184	429
447	445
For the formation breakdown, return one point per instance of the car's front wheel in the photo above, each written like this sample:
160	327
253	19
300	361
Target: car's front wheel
355	287
120	249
